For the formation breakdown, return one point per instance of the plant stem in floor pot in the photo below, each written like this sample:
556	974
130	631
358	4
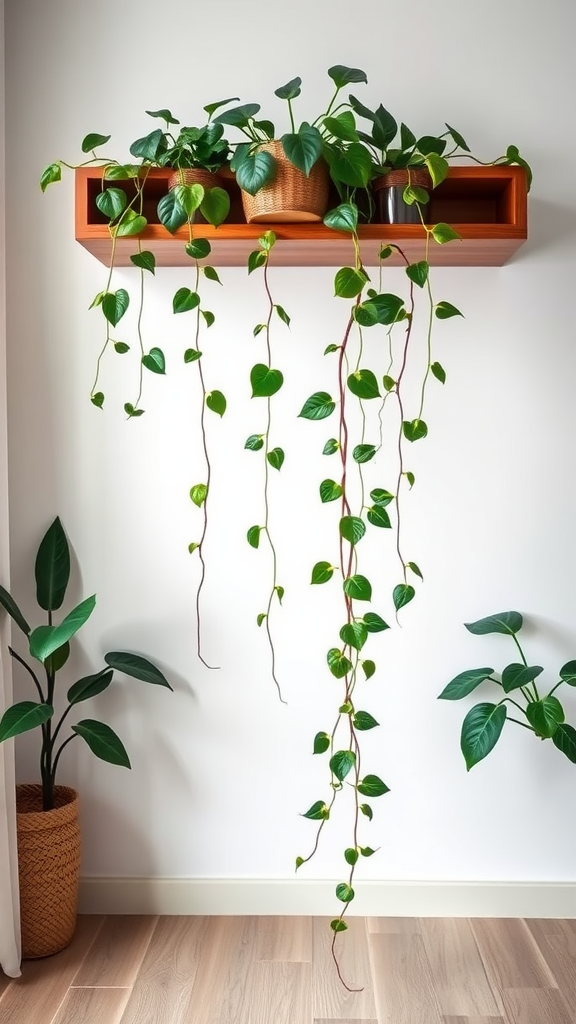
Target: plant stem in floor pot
49	848
389	193
292	196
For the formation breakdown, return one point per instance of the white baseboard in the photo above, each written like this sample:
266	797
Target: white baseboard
213	896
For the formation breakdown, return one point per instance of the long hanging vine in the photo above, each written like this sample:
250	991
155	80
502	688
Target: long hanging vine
266	381
182	202
346	661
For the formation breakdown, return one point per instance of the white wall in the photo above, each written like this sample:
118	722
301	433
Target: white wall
221	769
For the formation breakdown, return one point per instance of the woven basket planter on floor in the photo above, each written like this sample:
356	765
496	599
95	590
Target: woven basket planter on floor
291	197
49	869
388	194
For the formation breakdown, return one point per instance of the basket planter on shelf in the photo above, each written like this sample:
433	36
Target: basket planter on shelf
291	196
389	196
49	848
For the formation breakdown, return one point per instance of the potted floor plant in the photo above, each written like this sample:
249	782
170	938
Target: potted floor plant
49	842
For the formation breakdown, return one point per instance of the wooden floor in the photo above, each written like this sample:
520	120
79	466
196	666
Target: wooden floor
277	970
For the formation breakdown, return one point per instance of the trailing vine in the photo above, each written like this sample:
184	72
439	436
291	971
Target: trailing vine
214	204
266	381
345	661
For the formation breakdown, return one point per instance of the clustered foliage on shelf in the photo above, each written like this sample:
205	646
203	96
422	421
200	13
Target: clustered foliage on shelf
372	473
542	715
49	645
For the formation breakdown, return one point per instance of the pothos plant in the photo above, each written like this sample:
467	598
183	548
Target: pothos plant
519	692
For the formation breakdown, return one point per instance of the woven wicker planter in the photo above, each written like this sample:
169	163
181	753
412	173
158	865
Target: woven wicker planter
195	176
291	197
388	195
49	869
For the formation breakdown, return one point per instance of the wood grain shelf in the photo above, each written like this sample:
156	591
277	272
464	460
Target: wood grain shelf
486	205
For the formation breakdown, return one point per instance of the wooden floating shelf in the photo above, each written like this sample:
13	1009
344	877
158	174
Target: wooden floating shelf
487	206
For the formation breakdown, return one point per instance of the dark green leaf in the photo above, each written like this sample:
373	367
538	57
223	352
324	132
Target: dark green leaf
444	310
215	205
341	763
184	300
402	595
130	224
331	348
367	811
330	491
369	668
265	381
418	272
342	126
257	259
351	856
342	218
389	307
322	572
103	742
378	516
254	443
111	202
364	721
517	675
114	305
503	622
458	139
282	314
464	683
303	148
342	75
414	194
198	494
253	536
276	458
363	384
331	447
154	360
165	114
130	410
57	660
22	717
338	663
354	634
260	618
238	116
121	347
254	171
568	673
363	452
438	168
344	892
149	146
137	666
366	314
211	274
290	90
44	640
216	402
92	140
414	568
481	730
198	248
381	497
191	355
208	317
374	623
358	588
410	478
352	165
349	282
89	686
171	212
211	108
545	716
51	569
439	372
372	785
321	743
97	399
318	406
388	382
317	812
414	430
565	739
279	593
352	529
367	851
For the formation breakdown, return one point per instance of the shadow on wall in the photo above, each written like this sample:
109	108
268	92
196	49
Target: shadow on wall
549	226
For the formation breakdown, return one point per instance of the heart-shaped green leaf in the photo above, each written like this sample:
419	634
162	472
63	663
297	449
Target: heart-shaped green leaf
265	381
481	730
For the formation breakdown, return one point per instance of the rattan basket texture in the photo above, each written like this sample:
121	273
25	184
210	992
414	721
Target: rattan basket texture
194	176
291	197
49	869
418	176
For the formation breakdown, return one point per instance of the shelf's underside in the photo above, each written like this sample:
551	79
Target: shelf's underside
485	205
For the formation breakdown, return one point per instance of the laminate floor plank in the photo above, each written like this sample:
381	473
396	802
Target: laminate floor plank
557	942
284	939
330	998
460	982
510	954
403	983
92	1006
163	986
274	993
393	925
117	952
342	1020
36	996
228	951
473	1020
536	1006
